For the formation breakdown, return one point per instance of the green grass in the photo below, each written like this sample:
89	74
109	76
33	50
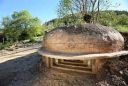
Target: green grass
122	28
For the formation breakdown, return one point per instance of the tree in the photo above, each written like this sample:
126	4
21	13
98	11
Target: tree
123	19
6	22
65	11
108	18
20	23
84	7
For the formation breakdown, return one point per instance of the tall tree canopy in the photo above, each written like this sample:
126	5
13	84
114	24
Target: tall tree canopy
21	25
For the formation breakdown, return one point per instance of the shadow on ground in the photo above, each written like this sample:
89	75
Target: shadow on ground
27	71
18	70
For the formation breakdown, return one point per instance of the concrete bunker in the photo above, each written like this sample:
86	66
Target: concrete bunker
81	48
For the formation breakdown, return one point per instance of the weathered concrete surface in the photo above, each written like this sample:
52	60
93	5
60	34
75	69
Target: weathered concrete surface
87	38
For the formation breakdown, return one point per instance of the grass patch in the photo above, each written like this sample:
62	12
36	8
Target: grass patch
122	28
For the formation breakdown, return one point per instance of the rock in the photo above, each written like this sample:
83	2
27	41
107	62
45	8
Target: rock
87	38
102	83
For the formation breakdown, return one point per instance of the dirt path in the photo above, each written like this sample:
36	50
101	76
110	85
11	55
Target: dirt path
23	69
16	55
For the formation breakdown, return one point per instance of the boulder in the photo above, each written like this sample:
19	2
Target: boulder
83	39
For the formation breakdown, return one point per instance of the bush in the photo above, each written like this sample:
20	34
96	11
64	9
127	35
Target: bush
2	46
5	45
122	28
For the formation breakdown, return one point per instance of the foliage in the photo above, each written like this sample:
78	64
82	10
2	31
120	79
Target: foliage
122	28
21	25
122	19
108	18
64	8
115	19
121	12
69	9
5	45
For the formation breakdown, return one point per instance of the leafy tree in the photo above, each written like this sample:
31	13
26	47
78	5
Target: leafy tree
6	22
21	25
108	18
123	19
82	7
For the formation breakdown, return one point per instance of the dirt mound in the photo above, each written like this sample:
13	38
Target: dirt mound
114	73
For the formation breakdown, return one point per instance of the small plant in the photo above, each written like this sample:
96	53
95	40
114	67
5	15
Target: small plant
1	46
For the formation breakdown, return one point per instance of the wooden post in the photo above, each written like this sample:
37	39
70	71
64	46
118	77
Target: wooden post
89	63
56	61
50	62
98	64
94	66
47	62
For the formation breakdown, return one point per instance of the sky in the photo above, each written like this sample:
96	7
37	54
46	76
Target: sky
43	9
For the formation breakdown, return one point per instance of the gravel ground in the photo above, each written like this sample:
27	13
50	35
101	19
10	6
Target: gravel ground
28	71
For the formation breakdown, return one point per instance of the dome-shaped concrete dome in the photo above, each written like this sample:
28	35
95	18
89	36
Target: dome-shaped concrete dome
80	39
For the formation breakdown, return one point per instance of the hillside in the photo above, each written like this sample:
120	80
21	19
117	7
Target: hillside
116	19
